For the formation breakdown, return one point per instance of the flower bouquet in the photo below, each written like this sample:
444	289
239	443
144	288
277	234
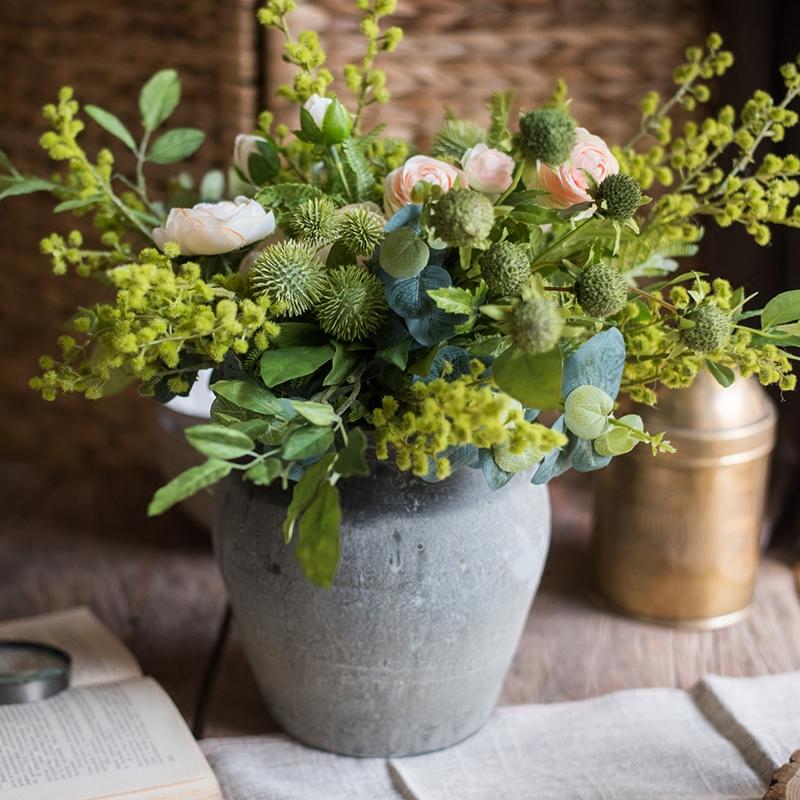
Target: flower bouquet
360	303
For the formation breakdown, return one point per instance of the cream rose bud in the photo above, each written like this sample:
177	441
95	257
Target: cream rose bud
209	229
487	170
400	182
569	183
317	106
243	147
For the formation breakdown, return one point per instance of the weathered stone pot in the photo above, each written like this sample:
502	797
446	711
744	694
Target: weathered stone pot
407	652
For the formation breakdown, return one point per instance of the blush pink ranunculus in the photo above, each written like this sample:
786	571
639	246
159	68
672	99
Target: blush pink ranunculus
569	184
400	182
487	170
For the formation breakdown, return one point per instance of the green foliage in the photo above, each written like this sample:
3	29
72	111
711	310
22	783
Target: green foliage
534	379
187	484
455	137
403	254
287	363
586	411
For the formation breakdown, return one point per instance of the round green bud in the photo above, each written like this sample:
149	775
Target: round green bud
586	411
547	134
360	230
337	123
462	217
290	274
711	329
352	305
619	196
315	222
602	290
536	325
505	267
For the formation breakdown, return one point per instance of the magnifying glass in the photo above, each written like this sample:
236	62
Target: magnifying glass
31	671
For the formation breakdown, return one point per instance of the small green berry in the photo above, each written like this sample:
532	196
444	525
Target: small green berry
505	267
602	290
711	329
462	217
619	196
536	325
290	274
352	305
547	134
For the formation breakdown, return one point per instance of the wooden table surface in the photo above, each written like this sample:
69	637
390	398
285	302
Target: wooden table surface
69	539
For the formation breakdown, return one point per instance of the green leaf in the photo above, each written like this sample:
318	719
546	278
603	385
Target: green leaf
618	441
403	254
351	459
175	145
26	186
783	308
309	127
318	546
396	354
188	483
306	442
286	363
5	163
217	441
343	362
532	378
359	166
252	397
315	413
586	411
111	123
263	473
724	376
159	98
212	187
74	205
454	300
304	492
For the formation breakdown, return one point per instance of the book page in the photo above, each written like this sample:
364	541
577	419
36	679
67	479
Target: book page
125	740
98	656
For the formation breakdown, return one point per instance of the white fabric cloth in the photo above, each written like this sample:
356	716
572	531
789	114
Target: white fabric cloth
720	741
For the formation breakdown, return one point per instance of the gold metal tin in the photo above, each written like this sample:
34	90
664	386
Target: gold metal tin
677	537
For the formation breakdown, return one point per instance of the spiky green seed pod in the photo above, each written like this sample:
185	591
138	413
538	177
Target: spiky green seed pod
547	134
505	267
455	137
315	222
360	230
619	196
462	217
536	325
352	305
711	330
602	290
290	274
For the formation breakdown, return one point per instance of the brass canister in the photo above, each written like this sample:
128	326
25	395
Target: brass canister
677	537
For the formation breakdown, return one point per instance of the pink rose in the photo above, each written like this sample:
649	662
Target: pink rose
568	184
488	170
401	181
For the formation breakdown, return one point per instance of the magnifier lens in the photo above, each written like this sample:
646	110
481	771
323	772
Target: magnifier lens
31	671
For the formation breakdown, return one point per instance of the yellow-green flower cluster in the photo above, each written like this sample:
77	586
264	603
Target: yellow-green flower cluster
163	323
69	252
442	414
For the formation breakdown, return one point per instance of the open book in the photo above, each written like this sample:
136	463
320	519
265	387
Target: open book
112	734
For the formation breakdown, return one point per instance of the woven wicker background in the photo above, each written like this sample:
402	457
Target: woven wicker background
609	51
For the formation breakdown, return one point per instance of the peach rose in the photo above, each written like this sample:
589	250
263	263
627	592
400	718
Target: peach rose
568	184
487	170
401	181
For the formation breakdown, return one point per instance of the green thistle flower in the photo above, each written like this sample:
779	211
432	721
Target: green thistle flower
315	222
619	196
547	134
352	306
455	137
711	331
360	230
290	274
506	267
602	290
462	217
536	325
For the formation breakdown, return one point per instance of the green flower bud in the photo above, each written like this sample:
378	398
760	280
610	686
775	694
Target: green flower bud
290	274
602	290
619	196
315	222
505	266
462	217
536	325
547	134
711	329
360	230
336	124
352	305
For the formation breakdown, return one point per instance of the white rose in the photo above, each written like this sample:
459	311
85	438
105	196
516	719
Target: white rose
208	229
317	106
244	146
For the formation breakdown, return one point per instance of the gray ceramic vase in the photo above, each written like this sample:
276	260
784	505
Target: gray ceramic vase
408	651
